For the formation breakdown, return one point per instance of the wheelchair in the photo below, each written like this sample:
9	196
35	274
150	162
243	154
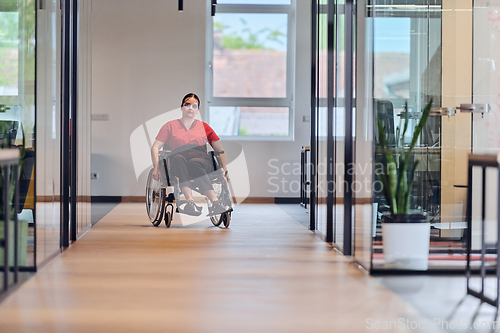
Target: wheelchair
163	193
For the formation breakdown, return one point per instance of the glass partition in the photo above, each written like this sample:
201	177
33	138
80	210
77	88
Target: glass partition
84	107
48	133
486	127
406	54
441	51
407	62
339	122
17	110
331	120
321	115
363	141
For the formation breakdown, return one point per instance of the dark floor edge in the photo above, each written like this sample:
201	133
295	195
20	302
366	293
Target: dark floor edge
436	271
287	200
106	198
115	198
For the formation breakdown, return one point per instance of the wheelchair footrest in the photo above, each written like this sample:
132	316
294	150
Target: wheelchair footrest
190	208
219	208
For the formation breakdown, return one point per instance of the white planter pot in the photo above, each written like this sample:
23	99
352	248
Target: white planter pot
406	245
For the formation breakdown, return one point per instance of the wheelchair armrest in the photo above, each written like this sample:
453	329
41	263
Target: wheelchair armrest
164	153
216	158
216	152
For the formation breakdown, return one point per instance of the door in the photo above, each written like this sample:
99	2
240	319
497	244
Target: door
445	51
471	77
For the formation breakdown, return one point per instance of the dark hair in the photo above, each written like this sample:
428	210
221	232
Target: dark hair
193	95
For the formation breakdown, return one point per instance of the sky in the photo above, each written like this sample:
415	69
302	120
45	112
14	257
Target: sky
392	34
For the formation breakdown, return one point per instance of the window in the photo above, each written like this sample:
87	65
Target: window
250	69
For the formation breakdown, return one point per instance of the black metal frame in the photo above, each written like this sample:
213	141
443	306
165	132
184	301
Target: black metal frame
330	150
69	79
348	141
313	151
65	118
348	10
74	119
43	6
483	161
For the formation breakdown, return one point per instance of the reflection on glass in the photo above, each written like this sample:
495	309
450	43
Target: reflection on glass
321	118
408	67
339	126
407	52
84	124
17	98
250	55
392	58
9	53
249	121
48	136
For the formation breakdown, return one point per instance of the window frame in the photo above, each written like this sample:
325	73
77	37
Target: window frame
287	101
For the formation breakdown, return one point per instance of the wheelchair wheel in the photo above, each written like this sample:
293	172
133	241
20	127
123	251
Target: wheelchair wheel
226	219
168	219
155	200
216	220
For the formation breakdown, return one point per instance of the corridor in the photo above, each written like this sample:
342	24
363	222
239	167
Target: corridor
266	273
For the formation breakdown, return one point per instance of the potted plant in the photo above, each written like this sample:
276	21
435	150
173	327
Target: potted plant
405	234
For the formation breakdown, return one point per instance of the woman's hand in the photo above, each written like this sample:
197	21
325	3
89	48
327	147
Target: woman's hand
156	174
155	149
218	147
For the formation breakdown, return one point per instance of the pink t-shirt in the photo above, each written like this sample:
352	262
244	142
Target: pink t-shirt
175	134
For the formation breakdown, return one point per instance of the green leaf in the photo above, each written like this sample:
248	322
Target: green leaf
407	120
397	183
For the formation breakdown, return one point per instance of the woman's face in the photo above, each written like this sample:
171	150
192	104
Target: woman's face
190	108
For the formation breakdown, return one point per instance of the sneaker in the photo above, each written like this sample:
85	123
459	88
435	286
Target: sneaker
190	208
218	208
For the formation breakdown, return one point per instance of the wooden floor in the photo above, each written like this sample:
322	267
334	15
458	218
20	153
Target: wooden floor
266	273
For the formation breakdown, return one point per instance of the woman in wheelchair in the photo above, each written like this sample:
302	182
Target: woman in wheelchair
189	161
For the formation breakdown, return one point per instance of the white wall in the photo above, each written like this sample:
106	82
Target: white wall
146	57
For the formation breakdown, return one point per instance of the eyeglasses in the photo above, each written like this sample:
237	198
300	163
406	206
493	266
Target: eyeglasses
188	105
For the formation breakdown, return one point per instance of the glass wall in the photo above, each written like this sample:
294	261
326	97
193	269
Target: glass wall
363	139
330	118
48	132
485	127
407	62
339	96
84	108
406	54
30	119
17	109
321	116
48	128
444	52
334	131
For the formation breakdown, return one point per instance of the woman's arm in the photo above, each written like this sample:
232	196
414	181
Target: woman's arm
216	145
155	151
